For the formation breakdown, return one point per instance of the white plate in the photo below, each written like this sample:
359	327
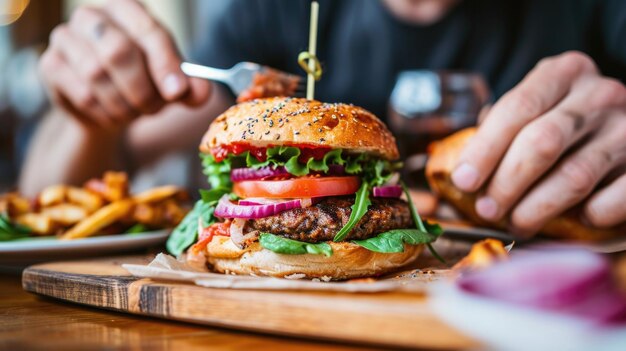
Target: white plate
22	252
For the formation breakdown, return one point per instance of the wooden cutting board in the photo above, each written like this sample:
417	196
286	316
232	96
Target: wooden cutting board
389	319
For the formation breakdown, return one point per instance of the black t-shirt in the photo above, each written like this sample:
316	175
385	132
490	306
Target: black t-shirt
362	47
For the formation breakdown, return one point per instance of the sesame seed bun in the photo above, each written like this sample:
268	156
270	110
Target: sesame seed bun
290	121
348	261
444	155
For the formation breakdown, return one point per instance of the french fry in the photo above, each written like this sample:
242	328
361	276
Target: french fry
66	214
483	254
40	224
85	198
112	187
14	205
52	195
117	184
99	219
173	213
146	214
157	194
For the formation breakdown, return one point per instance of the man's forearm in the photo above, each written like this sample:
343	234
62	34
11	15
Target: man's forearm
63	151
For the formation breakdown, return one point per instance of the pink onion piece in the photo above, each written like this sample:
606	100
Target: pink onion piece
227	209
239	174
255	201
237	236
252	201
571	281
387	191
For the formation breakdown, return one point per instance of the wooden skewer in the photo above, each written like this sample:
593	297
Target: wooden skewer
310	87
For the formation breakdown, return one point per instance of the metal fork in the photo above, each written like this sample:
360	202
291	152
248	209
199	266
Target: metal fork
239	77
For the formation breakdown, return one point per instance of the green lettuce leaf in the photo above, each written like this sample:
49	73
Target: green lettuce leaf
218	173
361	203
186	233
213	195
394	240
376	171
286	246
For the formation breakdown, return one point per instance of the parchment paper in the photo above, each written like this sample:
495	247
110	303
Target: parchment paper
412	279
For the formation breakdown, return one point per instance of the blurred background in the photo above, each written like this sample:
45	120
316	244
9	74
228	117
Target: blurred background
24	30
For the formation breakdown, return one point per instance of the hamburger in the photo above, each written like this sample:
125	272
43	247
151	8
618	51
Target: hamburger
444	155
301	188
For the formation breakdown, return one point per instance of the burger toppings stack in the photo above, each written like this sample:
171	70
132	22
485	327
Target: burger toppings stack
301	187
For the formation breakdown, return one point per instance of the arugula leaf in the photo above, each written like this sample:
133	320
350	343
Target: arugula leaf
435	229
361	203
286	246
186	233
136	229
393	240
10	230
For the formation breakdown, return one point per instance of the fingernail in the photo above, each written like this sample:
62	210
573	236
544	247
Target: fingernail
173	85
487	208
465	177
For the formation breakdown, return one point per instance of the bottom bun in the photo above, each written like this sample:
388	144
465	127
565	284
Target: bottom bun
347	261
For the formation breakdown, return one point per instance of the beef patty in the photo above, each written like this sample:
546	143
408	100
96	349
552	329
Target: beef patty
323	220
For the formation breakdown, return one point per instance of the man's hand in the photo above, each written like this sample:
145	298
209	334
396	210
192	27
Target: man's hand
110	65
556	140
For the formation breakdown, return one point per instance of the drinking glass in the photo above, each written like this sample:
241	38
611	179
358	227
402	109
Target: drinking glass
427	105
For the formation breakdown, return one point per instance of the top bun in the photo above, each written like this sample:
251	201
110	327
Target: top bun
289	121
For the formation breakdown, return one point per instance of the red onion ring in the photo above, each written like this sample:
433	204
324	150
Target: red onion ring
227	209
239	174
571	281
255	201
387	191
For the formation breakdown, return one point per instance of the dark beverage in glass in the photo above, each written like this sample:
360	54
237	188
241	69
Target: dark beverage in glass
429	105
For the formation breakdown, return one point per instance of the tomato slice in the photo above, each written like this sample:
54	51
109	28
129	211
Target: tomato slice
205	237
297	187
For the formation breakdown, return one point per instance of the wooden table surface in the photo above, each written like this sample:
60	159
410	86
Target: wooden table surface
31	322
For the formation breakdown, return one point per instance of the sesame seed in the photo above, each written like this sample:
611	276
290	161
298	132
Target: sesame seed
296	132
322	140
319	130
277	136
